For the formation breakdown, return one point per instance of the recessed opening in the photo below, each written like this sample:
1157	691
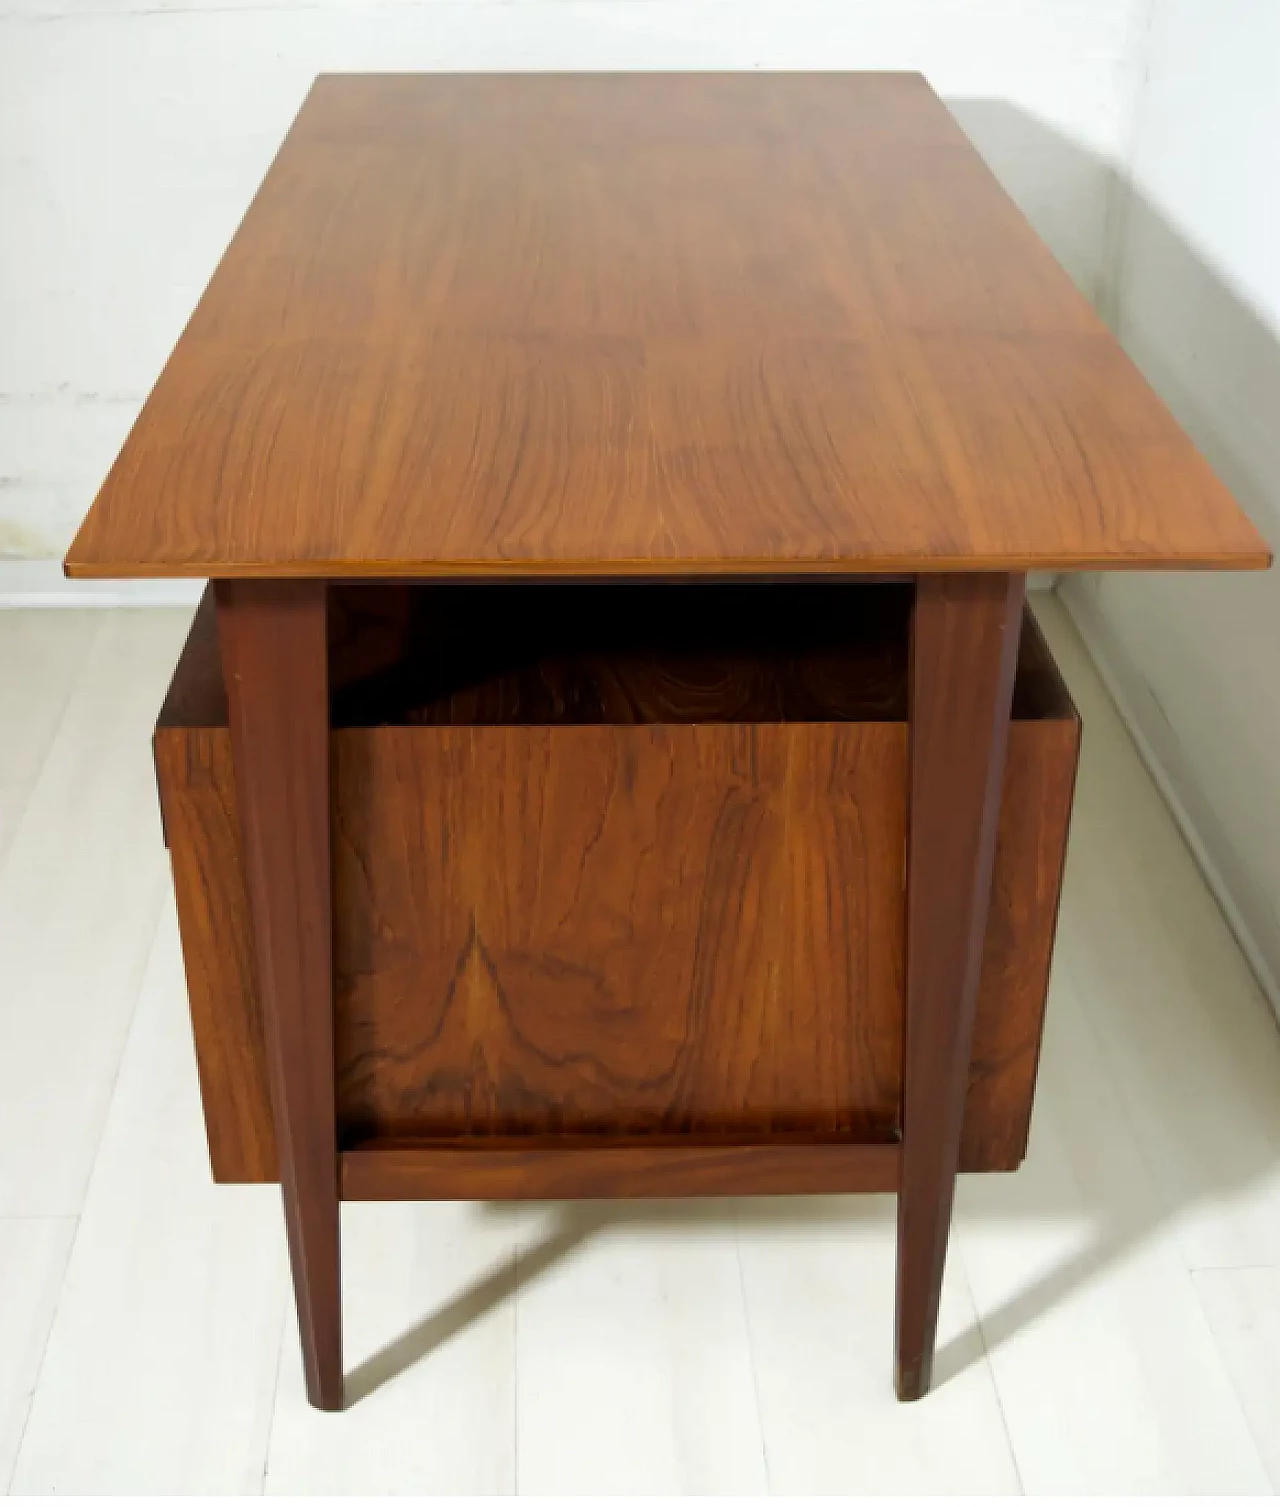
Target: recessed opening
557	655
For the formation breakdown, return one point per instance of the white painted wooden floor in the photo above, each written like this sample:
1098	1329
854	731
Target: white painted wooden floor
1111	1318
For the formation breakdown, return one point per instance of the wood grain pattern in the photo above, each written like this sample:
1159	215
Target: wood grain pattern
196	776
390	955
548	654
525	1167
275	666
645	324
964	655
1031	849
620	930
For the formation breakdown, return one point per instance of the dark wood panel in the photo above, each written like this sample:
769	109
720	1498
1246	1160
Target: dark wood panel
964	655
528	1168
1031	848
201	813
632	324
651	929
202	827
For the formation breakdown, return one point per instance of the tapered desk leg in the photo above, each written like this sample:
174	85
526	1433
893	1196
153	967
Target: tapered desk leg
964	651
274	658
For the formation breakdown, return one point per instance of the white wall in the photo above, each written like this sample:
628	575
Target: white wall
1195	660
133	132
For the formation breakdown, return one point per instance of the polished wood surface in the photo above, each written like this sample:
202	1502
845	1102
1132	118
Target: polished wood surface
964	655
1031	849
645	324
196	776
588	1010
600	930
564	1167
275	664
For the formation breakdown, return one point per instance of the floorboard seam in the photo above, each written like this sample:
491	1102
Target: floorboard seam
1224	1360
44	1352
751	1351
990	1365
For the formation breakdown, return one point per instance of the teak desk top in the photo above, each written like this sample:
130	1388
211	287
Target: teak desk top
645	325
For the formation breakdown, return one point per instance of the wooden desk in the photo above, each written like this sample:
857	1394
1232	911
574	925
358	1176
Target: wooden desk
773	327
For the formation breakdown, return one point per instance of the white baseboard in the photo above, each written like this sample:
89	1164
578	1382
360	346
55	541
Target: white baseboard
40	583
1245	911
